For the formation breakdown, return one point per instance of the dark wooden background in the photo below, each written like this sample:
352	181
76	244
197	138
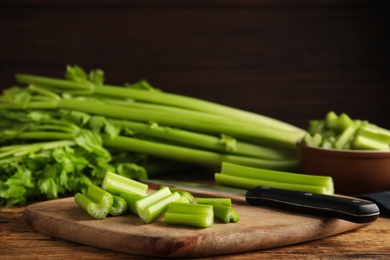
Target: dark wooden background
293	60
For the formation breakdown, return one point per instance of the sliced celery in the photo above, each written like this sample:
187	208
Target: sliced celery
119	206
185	195
187	214
144	202
96	201
131	199
224	213
117	184
156	209
227	202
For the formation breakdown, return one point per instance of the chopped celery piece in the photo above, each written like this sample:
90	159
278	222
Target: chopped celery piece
312	140
96	201
158	208
131	199
366	143
185	195
277	176
342	132
224	213
148	200
187	214
246	183
116	184
345	138
343	122
119	206
331	120
227	202
371	137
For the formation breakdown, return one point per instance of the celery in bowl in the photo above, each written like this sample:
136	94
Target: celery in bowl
354	153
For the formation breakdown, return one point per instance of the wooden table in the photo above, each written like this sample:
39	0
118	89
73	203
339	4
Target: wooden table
19	241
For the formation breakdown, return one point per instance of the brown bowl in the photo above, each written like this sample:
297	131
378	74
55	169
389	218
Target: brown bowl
353	171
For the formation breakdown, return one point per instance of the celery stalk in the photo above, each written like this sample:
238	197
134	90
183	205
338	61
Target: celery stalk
146	201
186	214
224	213
345	138
227	202
156	209
223	144
191	155
246	183
131	199
117	184
276	176
156	97
119	206
185	195
96	201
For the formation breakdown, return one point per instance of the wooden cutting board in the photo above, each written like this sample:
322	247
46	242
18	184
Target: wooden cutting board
259	228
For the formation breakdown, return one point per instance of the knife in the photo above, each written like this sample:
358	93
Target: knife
331	206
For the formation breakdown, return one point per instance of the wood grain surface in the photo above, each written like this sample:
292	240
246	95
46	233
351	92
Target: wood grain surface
259	228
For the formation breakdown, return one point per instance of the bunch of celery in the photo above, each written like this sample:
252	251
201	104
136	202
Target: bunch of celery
342	132
119	195
118	127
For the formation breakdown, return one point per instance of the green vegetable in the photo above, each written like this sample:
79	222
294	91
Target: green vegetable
117	184
249	177
98	128
247	183
156	209
146	201
222	211
185	195
342	132
187	214
96	201
131	199
119	206
227	202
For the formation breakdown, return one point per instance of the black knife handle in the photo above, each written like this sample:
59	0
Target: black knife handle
330	206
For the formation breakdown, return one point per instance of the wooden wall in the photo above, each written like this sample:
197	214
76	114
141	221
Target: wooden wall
293	60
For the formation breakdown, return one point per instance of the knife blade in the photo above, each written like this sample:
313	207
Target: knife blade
330	206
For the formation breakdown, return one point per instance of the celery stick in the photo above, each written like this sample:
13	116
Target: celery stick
203	141
366	143
222	212
131	199
186	214
343	122
246	183
144	202
345	138
227	202
371	137
331	120
119	206
184	194
156	209
201	122
96	201
158	98
117	184
312	140
191	155
276	176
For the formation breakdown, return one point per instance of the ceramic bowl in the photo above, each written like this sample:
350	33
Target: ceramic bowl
354	172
